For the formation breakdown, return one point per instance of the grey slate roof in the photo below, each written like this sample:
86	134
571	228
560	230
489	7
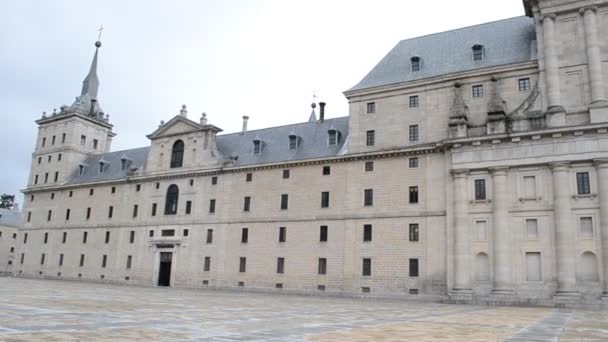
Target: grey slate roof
113	165
312	142
10	218
505	42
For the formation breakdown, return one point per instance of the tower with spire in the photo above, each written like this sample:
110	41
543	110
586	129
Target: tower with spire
68	135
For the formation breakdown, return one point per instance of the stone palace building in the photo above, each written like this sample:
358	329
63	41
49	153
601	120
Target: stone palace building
472	167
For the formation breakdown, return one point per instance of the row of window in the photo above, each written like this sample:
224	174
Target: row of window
81	263
50	158
414	135
46	178
531	228
477	50
333	137
83	140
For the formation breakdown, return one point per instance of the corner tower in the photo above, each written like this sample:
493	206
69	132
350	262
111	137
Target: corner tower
67	137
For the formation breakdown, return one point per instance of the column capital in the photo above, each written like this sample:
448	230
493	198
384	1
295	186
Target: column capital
499	170
551	16
460	173
559	166
601	163
588	8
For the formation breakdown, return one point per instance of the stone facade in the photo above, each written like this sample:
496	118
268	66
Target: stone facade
476	173
10	221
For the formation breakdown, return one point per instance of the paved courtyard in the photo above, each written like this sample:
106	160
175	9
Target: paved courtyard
48	310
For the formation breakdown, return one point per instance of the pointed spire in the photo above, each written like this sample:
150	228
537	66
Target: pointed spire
313	115
90	84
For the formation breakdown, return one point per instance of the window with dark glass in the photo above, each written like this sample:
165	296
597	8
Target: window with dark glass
370	138
416	63
171	200
56	177
414	231
135	210
88	213
366	267
64	238
524	84
129	261
326	170
177	154
243	264
154	205
42	259
107	237
151	233
207	265
285	174
95	143
413	194
480	189
60	259
59	157
293	142
477	52
214	180
477	91
367	232
369	166
85	235
282	234
414	101
368	197
323	234
81	260
284	201
332	137
188	207
257	146
29	216
249	177
43	142
413	267
63	138
185	232
49	215
280	265
325	199
414	133
132	236
24	238
582	183
247	203
46	237
371	107
110	212
244	235
209	235
322	269
104	261
167	232
212	206
113	190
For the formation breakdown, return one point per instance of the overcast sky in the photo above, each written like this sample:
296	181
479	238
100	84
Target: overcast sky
229	58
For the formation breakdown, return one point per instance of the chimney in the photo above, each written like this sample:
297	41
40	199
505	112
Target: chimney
183	112
245	119
321	111
204	119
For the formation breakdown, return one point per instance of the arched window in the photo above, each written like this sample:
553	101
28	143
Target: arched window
177	154
171	200
478	52
416	63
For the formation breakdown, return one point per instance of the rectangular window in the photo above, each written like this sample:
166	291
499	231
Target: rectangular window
83	140
284	201
113	190
332	137
46	177
325	199
104	261
371	107
107	237
49	215
413	162
185	232
282	234
413	267
367	233
244	235
247	203
481	230
243	265
326	170
53	140
129	261
188	207
85	235
414	133
280	265
369	166
36	179
81	260
91	192
532	229
63	138
533	266
154	205
49	158
151	233
586	227
214	180
24	238
414	103
167	232
46	238
480	189
95	142
529	187
110	211
88	216
413	194
138	187
366	267
322	269
22	258
64	238
56	178
249	177
212	206
207	266
209	236
323	234
59	157
368	197
42	259
414	232
477	91
370	138
582	183
285	174
60	259
43	142
29	216
524	84
132	236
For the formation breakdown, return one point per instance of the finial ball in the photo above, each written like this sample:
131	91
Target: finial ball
98	43
313	105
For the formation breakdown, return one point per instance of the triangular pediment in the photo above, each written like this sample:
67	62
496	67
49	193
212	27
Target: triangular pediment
176	126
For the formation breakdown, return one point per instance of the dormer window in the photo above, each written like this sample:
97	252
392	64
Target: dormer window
177	154
80	170
257	146
293	142
123	163
416	63
478	52
332	137
102	165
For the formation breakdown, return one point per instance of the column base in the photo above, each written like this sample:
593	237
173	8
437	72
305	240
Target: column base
598	112
460	295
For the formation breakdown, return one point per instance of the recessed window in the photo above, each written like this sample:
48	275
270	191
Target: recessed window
524	84
53	140
280	265
207	265
85	235
322	268
46	237
63	138
81	260
582	183
91	192
325	199
123	164
285	174
64	238
416	63
367	233
49	215
88	213
478	90
151	233
177	154
52	195
370	138
209	236
414	232
39	160
214	180
293	142
138	187
43	142
368	197
67	214
257	146
413	268
59	157
284	201
332	137
413	194
242	267
371	107
113	190
212	206
83	140
326	170
282	234
101	166
167	232
135	210
323	234
244	235
369	166
249	177
132	236
366	267
107	240
478	52
185	232
188	207
413	162
414	133
247	203
414	101
95	143
110	211
154	205
129	262
49	158
480	189
171	200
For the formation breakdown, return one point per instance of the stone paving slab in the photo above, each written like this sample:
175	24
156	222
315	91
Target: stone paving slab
52	310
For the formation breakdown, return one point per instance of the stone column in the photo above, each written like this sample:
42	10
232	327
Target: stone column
501	237
594	61
564	230
462	258
551	66
602	182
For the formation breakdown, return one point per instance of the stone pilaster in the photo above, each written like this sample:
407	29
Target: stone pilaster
501	237
462	257
555	112
564	230
599	106
602	182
